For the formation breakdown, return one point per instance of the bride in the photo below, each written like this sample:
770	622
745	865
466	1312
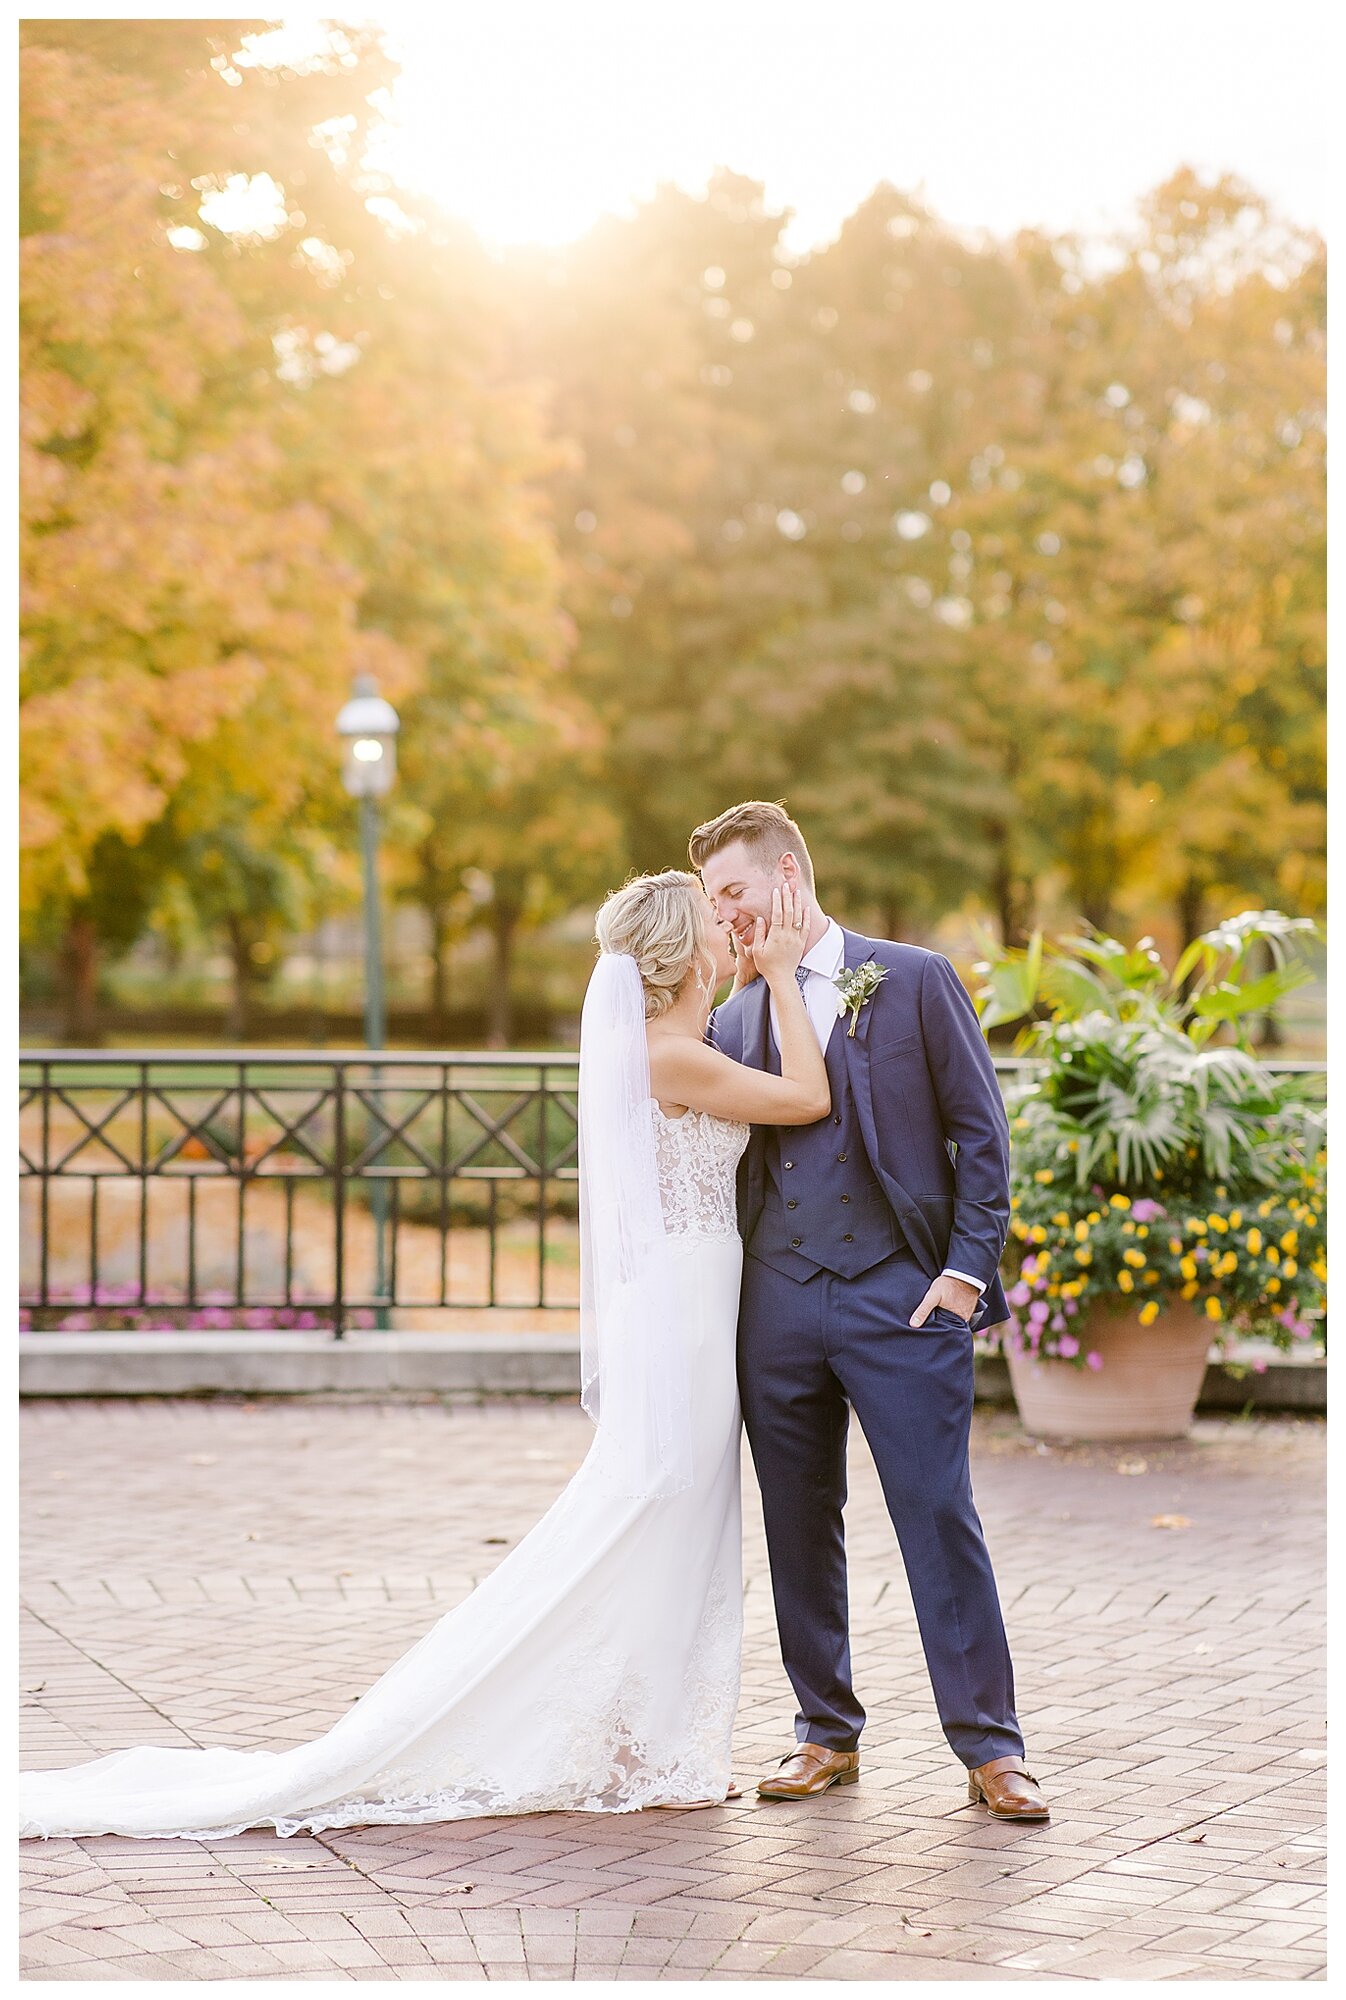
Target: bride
597	1668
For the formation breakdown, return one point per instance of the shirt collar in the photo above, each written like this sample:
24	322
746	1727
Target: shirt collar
827	954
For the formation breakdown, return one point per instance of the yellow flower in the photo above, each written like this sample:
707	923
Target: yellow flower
1072	1145
1189	1291
1084	1256
1072	1288
1319	1269
1310	1218
1187	1265
1019	1124
1128	1229
1081	1231
1290	1240
1093	1216
1149	1277
1217	1223
1290	1267
1125	1282
1273	1254
1229	1262
1213	1309
1019	1229
1136	1258
1273	1285
1014	1201
1196	1225
1254	1240
1142	1229
1037	1234
1061	1219
1044	1176
1149	1312
1118	1201
1264	1208
1175	1244
1235	1218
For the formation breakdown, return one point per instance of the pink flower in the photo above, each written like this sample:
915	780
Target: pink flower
1058	1323
1260	1365
1093	1360
1067	1346
1039	1311
1146	1210
1020	1295
1070	1307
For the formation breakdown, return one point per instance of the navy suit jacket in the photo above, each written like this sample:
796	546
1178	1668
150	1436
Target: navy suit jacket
929	1104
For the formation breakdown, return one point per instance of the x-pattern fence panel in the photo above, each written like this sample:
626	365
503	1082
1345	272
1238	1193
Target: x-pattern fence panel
279	1189
321	1190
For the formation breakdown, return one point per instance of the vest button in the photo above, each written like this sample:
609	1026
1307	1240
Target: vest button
788	1165
848	1239
837	1118
792	1204
795	1242
841	1159
845	1197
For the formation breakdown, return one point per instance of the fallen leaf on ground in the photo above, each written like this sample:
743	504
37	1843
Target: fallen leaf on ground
917	1930
1170	1521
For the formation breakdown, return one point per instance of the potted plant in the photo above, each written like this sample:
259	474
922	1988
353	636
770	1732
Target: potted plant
1167	1189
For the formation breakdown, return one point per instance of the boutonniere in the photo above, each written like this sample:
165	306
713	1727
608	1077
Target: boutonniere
857	985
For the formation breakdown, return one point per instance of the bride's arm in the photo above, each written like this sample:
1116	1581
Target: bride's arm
683	1071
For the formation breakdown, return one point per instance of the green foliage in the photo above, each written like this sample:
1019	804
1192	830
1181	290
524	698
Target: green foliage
1003	564
1132	1131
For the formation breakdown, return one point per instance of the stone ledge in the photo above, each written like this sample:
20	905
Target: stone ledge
253	1363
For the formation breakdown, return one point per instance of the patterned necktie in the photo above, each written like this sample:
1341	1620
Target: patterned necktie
802	980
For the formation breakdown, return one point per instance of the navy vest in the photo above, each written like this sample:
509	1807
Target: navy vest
825	1208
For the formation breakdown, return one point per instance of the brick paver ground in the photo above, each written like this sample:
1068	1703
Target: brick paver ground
237	1573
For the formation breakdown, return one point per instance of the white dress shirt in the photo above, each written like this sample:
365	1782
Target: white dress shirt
822	964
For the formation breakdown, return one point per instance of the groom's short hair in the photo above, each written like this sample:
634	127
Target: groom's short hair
766	830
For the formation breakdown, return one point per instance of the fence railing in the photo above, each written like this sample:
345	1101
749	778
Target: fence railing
281	1188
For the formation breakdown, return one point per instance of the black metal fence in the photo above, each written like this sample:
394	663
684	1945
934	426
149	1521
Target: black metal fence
283	1189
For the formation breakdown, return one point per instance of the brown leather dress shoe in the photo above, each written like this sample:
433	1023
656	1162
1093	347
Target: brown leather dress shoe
809	1769
1005	1788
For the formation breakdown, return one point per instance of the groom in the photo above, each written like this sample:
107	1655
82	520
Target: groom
872	1242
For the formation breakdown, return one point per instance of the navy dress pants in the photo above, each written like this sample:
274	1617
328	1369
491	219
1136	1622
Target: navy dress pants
809	1353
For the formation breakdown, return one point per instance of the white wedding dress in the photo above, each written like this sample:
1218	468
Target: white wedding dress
595	1670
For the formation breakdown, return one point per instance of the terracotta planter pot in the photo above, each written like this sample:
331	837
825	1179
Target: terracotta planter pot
1148	1384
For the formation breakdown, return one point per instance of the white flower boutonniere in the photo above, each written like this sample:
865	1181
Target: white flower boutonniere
857	985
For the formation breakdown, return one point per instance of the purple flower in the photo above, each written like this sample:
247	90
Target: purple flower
1070	1307
1020	1295
1146	1210
1058	1322
1093	1360
1039	1311
1067	1346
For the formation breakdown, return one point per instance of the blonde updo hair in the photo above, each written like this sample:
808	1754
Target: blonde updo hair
656	919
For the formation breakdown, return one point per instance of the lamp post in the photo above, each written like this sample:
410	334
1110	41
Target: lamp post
368	726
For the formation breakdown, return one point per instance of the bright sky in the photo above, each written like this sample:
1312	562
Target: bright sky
530	118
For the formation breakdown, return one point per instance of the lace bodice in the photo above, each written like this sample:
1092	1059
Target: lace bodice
696	1157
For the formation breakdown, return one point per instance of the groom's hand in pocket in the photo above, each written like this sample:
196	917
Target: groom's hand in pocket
958	1297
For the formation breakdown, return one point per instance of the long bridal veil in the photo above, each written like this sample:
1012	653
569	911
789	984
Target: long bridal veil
633	1369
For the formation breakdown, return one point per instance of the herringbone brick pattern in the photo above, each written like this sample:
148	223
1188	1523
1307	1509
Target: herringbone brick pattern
236	1573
